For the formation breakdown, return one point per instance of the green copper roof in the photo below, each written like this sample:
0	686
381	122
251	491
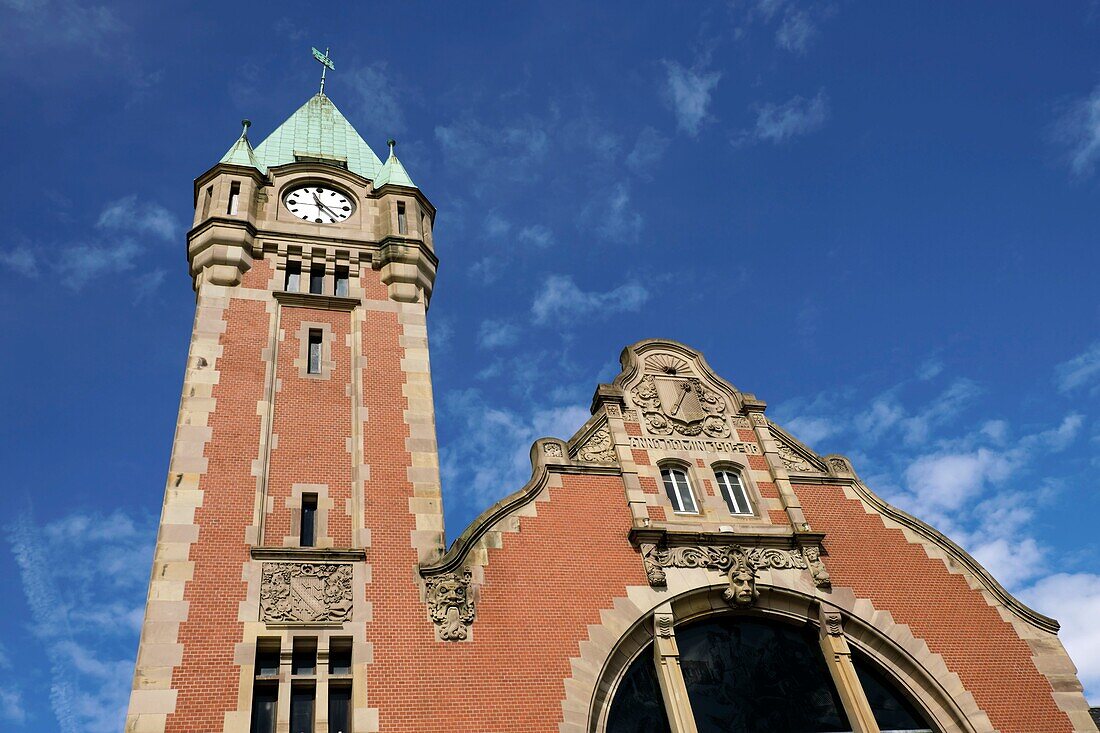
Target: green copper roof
393	172
242	153
318	130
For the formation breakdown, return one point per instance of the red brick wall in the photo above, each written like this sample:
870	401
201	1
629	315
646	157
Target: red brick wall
531	618
954	620
313	424
207	679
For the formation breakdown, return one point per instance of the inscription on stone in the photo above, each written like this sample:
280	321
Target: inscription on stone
707	446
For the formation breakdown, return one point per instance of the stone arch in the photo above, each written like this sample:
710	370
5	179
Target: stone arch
627	631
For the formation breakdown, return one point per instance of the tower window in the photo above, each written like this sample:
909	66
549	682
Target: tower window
402	222
308	535
265	689
234	198
678	489
315	340
293	277
339	708
304	659
206	201
339	656
301	708
342	282
317	278
733	491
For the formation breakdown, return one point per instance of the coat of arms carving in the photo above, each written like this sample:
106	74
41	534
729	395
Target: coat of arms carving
292	592
678	405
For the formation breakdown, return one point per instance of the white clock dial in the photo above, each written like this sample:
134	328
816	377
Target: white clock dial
318	204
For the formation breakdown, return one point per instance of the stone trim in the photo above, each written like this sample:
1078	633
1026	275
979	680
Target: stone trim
666	657
313	300
309	554
324	507
302	362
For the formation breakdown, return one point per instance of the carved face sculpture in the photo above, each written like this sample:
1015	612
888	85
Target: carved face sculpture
450	592
742	590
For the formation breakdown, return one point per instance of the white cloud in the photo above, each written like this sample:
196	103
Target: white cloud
1074	600
21	259
1081	371
493	334
688	92
1078	131
810	430
149	283
131	216
375	99
11	705
796	31
496	226
778	123
612	215
85	262
950	480
648	150
930	368
559	298
491	156
537	235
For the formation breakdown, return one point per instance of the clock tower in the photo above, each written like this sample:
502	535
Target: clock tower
305	446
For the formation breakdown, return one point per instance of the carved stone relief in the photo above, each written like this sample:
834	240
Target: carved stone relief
598	448
553	450
293	592
674	405
792	461
739	564
741	422
613	410
630	415
451	604
839	465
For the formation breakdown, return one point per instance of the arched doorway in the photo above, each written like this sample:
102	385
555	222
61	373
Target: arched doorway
756	675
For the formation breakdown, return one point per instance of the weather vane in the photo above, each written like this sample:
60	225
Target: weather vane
326	64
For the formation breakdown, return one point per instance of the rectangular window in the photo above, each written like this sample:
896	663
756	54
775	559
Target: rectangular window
293	277
317	279
402	222
304	659
339	656
314	351
267	658
342	282
206	201
265	699
733	491
234	197
423	224
309	520
301	709
339	708
678	489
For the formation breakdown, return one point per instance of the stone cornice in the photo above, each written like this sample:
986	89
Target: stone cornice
309	554
232	168
666	537
313	300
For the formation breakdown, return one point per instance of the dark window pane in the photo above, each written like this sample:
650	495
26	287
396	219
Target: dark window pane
638	707
293	276
342	281
267	661
305	658
309	520
234	197
892	710
314	366
264	697
339	710
317	279
402	222
339	656
301	710
746	676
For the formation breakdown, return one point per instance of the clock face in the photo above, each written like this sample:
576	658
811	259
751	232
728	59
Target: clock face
318	204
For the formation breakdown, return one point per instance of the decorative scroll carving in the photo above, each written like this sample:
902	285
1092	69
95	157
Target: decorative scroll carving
451	604
667	364
598	448
672	405
738	563
292	592
832	622
630	415
613	410
741	422
663	624
792	461
553	450
759	419
839	465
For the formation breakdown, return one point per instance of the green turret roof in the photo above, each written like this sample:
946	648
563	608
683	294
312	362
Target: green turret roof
317	130
393	172
242	153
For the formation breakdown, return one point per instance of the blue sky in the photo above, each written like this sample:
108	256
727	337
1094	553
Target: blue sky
879	217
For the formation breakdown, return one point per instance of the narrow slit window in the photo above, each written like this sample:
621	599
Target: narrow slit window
423	223
339	657
733	492
342	282
678	489
265	700
339	708
206	201
308	536
304	658
402	222
234	198
267	658
315	341
317	279
301	708
293	277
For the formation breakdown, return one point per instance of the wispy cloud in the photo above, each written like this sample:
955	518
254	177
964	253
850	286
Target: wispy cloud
493	334
612	216
1077	130
688	92
778	123
1080	372
21	259
374	97
512	152
131	216
1074	599
536	235
648	150
798	21
559	298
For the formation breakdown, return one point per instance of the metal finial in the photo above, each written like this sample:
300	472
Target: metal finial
393	144
245	123
326	64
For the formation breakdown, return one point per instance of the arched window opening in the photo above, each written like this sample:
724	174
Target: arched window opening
678	488
733	491
748	675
